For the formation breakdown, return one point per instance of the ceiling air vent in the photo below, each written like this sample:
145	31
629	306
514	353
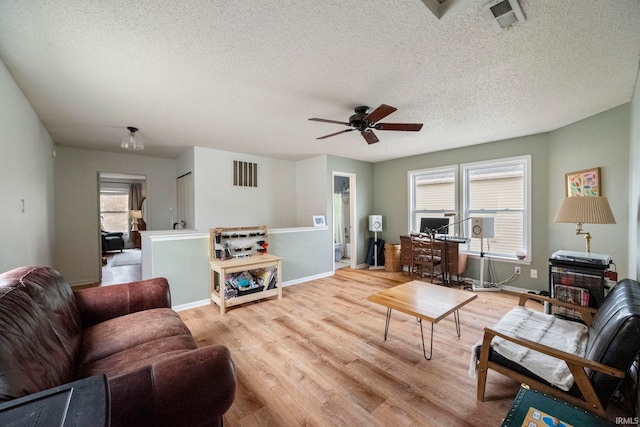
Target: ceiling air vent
503	13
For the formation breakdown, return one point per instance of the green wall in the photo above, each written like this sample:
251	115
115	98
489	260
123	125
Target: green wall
598	141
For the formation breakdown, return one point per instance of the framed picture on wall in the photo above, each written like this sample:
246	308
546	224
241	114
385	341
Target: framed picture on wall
585	183
319	221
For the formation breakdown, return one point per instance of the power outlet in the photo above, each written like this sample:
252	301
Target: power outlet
518	269
534	274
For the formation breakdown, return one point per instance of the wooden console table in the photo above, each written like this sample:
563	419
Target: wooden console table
220	269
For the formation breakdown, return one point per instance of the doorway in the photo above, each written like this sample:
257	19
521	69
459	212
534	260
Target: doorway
184	187
344	207
122	215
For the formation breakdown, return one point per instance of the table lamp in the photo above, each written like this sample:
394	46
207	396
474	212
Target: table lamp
585	210
135	216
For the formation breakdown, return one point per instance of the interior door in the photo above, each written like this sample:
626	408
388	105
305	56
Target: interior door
185	208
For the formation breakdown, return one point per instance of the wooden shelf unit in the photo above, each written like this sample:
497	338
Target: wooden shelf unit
241	241
251	261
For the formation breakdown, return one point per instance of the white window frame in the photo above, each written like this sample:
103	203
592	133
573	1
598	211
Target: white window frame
411	176
121	190
526	161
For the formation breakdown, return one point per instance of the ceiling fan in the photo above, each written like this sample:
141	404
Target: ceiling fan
365	122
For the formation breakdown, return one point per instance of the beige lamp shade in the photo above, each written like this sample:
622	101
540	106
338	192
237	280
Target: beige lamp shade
585	210
135	214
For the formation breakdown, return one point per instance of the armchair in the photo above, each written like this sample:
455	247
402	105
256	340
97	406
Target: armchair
112	241
612	342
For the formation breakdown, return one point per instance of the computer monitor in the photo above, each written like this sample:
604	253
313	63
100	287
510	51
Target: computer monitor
434	225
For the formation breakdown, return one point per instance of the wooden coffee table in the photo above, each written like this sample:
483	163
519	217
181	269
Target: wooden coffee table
425	301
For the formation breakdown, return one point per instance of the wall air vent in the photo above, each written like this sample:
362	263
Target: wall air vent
503	13
245	174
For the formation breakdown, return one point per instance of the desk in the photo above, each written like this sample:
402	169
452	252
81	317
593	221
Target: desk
424	301
85	402
456	260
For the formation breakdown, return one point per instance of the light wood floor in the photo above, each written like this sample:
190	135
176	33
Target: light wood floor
318	358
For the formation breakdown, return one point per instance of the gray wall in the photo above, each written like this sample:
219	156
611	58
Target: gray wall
634	185
27	173
77	207
364	200
218	203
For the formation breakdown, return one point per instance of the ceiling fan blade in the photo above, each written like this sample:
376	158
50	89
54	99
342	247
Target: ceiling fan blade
369	136
334	134
330	121
379	113
413	127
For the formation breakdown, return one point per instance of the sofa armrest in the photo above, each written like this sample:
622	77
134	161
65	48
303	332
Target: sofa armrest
107	302
190	389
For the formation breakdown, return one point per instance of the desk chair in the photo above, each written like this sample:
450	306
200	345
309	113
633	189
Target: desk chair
425	257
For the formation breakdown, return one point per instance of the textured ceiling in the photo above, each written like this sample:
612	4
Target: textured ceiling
245	76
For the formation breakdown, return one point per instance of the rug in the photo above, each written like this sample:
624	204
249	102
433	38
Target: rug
132	257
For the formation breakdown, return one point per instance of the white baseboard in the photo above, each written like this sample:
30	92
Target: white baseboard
518	290
307	279
195	304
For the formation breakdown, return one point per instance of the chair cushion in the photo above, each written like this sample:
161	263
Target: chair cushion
560	334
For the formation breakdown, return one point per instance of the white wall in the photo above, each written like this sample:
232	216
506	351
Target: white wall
220	204
26	173
311	190
77	207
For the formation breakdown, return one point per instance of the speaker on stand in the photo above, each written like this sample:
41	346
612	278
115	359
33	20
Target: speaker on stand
375	225
481	228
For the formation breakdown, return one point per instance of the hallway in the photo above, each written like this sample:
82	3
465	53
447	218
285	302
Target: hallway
112	275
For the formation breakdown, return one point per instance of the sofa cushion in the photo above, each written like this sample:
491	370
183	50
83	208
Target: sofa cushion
131	359
126	332
40	331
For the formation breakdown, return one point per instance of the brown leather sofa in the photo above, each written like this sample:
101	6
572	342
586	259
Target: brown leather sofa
51	335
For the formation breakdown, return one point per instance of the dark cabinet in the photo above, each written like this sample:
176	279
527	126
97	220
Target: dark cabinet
576	282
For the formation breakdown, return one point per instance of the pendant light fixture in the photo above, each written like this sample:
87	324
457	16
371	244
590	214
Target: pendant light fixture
132	141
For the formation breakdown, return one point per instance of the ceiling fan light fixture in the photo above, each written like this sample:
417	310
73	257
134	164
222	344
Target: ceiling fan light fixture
132	141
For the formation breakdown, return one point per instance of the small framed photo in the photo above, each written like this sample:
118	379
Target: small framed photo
585	183
319	221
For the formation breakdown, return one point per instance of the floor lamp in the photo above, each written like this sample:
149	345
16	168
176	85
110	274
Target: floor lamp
585	210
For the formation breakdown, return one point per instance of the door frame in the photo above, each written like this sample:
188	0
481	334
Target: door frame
353	230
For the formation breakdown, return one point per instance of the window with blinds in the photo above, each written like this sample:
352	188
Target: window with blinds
433	193
498	189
